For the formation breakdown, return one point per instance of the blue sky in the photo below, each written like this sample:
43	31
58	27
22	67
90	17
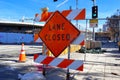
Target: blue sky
16	9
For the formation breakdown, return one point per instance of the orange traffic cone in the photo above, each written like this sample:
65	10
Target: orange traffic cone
22	56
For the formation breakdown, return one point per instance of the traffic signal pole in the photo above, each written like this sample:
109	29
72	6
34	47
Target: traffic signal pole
94	15
94	1
54	0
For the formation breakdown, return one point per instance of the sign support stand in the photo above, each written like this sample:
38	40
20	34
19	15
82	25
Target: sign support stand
44	53
68	73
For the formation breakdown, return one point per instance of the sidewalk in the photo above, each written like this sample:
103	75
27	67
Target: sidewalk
96	66
100	66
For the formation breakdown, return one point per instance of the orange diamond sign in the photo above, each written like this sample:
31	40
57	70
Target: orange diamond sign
58	33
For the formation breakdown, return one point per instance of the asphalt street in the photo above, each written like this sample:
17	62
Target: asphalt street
102	66
10	66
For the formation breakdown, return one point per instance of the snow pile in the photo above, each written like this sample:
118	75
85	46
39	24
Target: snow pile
32	76
56	74
52	74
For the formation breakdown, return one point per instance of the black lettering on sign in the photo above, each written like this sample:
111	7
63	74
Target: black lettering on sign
67	37
57	37
62	37
56	27
53	37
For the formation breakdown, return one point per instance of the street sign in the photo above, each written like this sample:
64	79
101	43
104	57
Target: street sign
58	33
93	23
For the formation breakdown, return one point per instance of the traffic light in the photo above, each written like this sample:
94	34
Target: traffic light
54	0
94	11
